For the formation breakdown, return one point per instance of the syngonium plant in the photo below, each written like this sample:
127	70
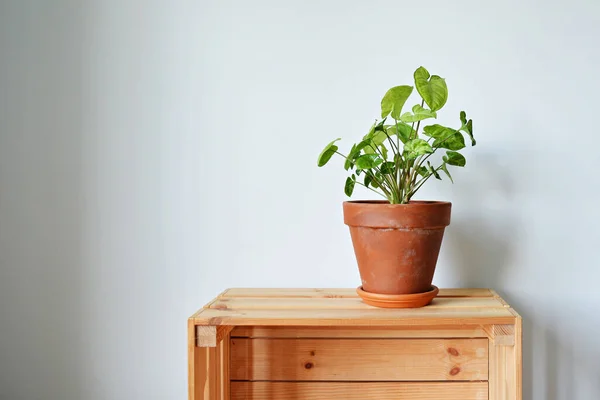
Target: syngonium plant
399	175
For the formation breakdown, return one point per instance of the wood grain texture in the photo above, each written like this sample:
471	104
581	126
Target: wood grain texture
193	371
335	293
519	357
368	317
359	360
206	336
358	391
505	362
223	357
356	333
269	303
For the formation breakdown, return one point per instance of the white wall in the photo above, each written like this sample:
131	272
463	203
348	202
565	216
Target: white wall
154	153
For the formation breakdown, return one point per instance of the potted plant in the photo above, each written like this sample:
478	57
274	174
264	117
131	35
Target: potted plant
397	240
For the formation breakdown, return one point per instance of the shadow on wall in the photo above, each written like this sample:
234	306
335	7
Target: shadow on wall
40	201
561	360
482	242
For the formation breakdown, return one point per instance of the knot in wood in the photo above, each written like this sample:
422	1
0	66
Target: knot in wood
455	371
308	365
452	351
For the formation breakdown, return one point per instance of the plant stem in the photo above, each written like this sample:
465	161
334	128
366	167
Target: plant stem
372	190
385	177
421	182
424	158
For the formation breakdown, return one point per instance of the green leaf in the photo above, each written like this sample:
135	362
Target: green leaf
366	145
369	148
433	171
438	131
371	179
467	127
327	152
454	158
432	88
349	164
415	148
404	131
388	168
349	186
368	161
384	151
455	141
419	113
445	169
379	137
375	182
394	100
362	145
423	171
445	137
380	126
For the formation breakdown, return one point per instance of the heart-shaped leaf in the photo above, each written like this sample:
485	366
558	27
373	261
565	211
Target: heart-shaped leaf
327	152
438	131
418	114
394	100
415	148
349	186
368	161
432	88
404	131
454	158
455	141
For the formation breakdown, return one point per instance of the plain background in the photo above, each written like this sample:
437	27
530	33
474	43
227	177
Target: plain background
154	153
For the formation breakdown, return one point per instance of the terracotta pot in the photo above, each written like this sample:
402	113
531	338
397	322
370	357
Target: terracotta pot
396	245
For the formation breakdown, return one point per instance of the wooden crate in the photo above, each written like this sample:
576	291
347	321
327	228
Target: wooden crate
322	344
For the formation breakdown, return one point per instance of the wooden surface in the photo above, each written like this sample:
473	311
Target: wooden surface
359	391
313	332
340	307
359	360
317	344
505	368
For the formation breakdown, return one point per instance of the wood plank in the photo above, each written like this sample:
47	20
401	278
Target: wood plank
271	303
505	362
193	372
519	358
358	391
210	336
337	292
223	357
372	317
202	368
349	333
206	336
359	360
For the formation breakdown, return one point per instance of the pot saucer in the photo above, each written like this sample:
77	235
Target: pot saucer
413	300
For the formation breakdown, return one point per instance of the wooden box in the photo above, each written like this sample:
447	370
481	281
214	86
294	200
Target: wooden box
323	344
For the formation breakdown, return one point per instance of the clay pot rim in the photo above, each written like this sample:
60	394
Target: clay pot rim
412	203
